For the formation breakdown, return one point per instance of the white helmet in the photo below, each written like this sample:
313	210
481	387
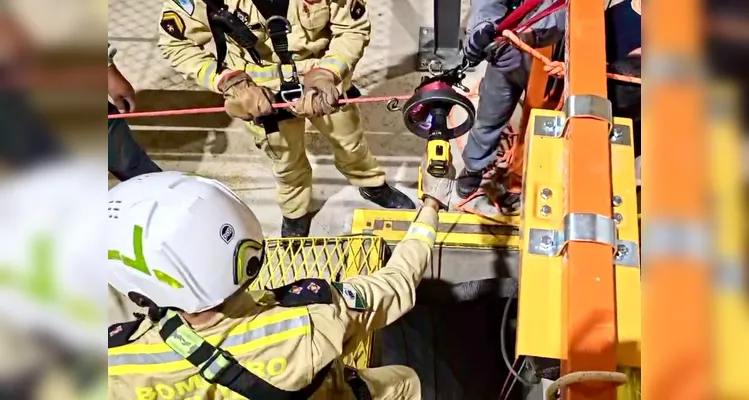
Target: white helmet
181	240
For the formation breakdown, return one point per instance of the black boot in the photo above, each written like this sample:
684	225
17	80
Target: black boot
468	183
510	203
297	227
387	196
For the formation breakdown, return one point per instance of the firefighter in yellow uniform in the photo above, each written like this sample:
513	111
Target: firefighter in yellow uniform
320	40
186	248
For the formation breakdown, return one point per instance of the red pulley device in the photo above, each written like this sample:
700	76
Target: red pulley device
426	113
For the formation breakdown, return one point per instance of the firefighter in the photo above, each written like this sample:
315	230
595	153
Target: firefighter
508	71
262	47
186	248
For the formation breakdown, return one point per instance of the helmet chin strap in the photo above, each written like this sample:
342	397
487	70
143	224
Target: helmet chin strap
154	312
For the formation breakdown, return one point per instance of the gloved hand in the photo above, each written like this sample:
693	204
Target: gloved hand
505	57
244	99
476	43
320	94
438	188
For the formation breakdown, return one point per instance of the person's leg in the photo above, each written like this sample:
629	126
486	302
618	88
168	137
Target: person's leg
355	160
392	382
126	159
499	94
293	173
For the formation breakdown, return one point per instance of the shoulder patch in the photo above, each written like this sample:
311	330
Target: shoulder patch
119	334
187	5
354	300
303	293
358	8
173	24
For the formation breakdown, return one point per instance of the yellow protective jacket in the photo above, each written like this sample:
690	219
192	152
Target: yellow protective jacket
330	34
285	346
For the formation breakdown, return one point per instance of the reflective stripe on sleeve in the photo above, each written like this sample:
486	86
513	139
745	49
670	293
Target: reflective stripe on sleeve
261	74
421	231
207	74
335	64
260	332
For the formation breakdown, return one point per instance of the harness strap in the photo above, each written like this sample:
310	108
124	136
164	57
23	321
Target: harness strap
218	366
223	23
277	26
357	384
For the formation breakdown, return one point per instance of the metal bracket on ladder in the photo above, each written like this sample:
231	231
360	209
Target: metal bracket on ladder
579	106
583	227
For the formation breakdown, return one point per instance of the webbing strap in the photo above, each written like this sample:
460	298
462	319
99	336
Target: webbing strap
218	366
274	12
223	23
278	27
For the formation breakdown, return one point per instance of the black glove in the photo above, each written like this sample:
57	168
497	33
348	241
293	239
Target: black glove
477	42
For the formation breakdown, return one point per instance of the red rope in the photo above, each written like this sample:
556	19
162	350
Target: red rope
212	110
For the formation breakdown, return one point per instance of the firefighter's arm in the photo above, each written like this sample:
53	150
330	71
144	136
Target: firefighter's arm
363	303
350	30
182	41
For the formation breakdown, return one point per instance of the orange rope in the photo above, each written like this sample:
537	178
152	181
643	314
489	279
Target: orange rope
506	157
556	69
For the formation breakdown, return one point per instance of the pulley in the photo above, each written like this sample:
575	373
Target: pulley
426	112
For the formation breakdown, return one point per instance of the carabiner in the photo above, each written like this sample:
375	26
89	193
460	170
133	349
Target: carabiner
269	22
290	89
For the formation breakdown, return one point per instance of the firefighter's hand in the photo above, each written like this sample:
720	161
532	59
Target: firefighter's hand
244	99
320	94
120	90
437	188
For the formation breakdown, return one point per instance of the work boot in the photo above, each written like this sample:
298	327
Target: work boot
296	227
468	182
510	203
387	196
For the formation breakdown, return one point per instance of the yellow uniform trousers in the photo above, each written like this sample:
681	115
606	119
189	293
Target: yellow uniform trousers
291	166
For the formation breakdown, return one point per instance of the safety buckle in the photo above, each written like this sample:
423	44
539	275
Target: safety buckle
216	366
292	92
290	89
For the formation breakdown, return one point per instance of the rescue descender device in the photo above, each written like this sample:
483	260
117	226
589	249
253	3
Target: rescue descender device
426	115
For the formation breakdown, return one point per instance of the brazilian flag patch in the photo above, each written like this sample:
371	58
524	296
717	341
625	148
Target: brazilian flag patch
358	8
353	299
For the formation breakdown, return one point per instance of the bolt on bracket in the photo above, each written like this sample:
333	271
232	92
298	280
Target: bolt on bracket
575	106
621	134
583	227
